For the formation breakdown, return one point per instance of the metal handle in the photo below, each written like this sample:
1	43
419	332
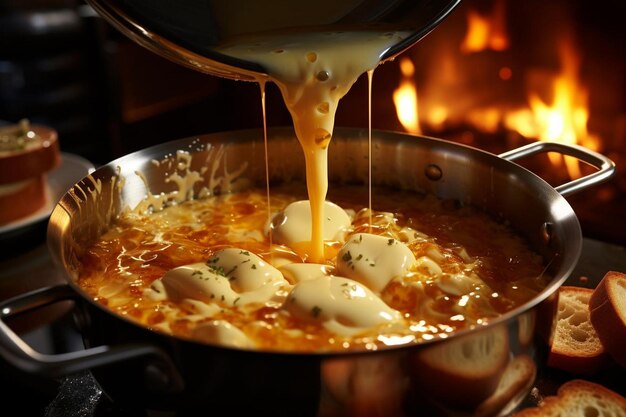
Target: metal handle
21	355
606	167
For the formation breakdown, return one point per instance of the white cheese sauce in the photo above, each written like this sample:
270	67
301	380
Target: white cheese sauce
374	260
232	278
341	305
222	333
293	224
297	272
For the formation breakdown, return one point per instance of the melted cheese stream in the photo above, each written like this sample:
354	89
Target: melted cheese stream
314	71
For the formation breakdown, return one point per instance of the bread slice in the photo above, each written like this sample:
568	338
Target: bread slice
515	383
464	371
608	314
579	398
27	154
22	199
574	345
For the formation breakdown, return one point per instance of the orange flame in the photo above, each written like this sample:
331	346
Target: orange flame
405	98
486	32
565	118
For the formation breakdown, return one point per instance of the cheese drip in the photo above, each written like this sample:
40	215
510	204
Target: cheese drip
314	71
293	224
341	305
233	277
374	260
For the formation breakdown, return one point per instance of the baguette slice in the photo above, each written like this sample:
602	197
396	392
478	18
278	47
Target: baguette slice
575	346
579	398
515	383
608	314
465	371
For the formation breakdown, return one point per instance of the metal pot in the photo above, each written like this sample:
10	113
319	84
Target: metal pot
149	370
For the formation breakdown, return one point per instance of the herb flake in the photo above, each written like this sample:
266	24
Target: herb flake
316	311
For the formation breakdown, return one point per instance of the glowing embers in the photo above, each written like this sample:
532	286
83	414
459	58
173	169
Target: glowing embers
564	115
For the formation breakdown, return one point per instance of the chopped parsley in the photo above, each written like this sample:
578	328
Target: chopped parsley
390	242
218	270
316	311
253	266
346	257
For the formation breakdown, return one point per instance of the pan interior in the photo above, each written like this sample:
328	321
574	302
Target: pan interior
235	160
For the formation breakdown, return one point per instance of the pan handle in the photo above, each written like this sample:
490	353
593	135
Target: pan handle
21	355
605	166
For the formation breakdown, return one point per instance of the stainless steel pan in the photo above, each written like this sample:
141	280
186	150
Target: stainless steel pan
152	371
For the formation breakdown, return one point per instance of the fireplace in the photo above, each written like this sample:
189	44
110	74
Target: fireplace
498	74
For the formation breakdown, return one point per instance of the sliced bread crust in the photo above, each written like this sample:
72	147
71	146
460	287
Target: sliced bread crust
515	383
607	307
31	196
465	371
24	169
575	346
579	397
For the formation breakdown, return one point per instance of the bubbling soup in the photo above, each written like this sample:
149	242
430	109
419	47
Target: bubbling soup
205	270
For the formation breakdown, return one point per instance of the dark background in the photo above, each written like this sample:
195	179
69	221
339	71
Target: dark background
62	65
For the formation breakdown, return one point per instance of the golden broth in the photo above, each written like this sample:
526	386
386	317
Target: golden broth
468	269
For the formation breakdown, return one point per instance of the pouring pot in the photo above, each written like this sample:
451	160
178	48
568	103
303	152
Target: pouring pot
188	31
148	370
